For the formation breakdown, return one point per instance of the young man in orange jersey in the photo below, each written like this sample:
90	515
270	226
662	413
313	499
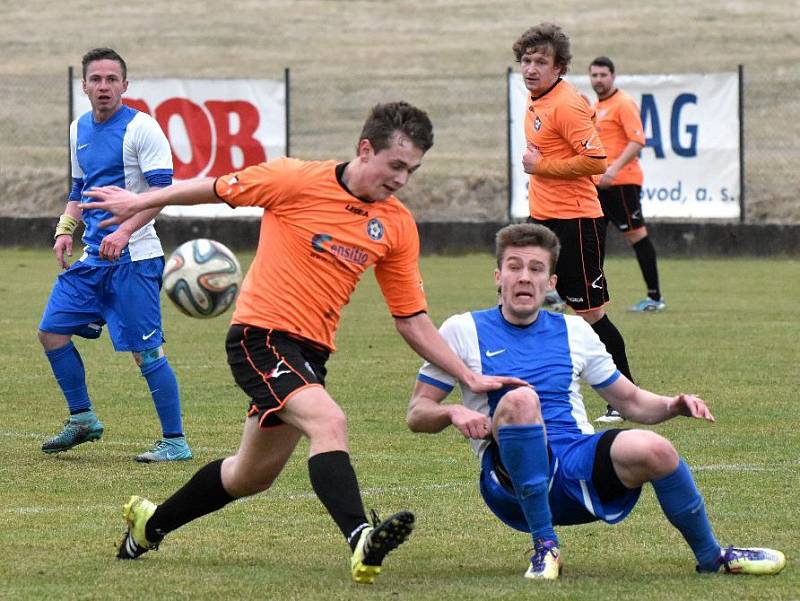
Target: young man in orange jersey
620	187
333	221
564	152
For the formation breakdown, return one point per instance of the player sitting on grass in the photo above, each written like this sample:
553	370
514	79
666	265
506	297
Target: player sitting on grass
542	463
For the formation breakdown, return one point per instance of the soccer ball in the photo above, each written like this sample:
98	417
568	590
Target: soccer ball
202	277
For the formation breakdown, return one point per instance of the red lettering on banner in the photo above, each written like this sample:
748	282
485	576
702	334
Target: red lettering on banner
198	130
138	104
252	150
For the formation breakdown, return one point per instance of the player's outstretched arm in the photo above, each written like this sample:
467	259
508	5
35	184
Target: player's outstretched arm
426	413
422	336
645	407
123	204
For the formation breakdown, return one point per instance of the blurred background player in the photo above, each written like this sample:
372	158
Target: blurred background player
330	222
564	152
541	462
619	124
117	281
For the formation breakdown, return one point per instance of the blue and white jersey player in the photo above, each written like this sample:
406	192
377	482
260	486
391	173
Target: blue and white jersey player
542	464
117	281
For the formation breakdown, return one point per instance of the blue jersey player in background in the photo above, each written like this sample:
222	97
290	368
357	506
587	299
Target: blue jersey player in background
117	281
541	462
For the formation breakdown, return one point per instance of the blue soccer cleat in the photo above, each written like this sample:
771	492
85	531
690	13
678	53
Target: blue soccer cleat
85	427
648	305
545	561
166	449
375	543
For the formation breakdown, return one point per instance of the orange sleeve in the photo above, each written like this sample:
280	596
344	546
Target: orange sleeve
578	166
576	125
398	273
631	121
260	185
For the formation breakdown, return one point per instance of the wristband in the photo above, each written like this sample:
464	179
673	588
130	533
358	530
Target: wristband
66	226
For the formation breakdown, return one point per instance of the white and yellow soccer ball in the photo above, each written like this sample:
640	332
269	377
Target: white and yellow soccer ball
202	278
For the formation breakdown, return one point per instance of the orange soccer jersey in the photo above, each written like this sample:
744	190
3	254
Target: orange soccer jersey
316	241
619	122
559	123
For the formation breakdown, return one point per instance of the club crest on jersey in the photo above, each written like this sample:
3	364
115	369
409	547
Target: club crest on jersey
537	124
375	229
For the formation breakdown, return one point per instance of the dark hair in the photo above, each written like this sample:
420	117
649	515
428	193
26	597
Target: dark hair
99	54
543	37
527	234
385	120
602	61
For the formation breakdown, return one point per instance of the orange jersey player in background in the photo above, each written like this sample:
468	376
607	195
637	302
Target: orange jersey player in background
324	224
564	152
620	187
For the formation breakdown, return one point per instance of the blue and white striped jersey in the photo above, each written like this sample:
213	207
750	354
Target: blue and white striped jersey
128	150
552	354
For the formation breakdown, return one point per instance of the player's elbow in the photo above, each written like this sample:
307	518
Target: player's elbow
413	419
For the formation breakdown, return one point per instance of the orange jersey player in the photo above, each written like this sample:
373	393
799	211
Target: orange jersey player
620	187
324	224
564	152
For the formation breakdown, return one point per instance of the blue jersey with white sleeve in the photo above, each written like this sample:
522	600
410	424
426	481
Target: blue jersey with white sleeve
552	354
128	150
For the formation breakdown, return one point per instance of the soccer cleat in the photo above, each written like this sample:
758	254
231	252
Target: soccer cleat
74	432
553	302
375	543
166	449
611	416
647	305
545	561
756	561
136	512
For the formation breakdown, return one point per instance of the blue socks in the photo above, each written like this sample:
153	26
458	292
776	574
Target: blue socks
523	450
71	377
164	390
684	507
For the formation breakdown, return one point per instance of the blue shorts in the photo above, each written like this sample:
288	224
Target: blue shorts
126	296
574	498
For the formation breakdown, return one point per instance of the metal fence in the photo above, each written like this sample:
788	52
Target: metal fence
464	177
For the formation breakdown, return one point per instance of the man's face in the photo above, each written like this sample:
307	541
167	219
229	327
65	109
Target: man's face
602	80
523	279
539	71
104	86
388	170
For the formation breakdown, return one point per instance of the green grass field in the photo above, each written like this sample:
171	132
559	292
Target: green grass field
729	335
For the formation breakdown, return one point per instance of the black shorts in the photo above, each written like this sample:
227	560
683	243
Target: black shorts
622	206
270	366
581	281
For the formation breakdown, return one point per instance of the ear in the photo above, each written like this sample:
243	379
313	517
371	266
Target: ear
497	277
83	85
551	283
124	86
365	150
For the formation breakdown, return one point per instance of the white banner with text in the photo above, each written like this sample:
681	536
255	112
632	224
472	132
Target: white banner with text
214	126
691	158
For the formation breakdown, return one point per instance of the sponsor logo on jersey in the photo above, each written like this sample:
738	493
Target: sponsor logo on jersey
493	353
375	229
357	210
321	243
537	124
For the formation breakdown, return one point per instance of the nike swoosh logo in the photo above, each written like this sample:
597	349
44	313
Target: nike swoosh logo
493	353
82	146
146	336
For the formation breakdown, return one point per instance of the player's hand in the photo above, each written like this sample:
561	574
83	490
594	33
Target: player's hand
471	424
689	405
63	249
530	157
120	203
113	244
607	179
480	383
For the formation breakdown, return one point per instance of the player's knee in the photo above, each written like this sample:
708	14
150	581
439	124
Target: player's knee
146	358
519	406
654	455
51	341
328	424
